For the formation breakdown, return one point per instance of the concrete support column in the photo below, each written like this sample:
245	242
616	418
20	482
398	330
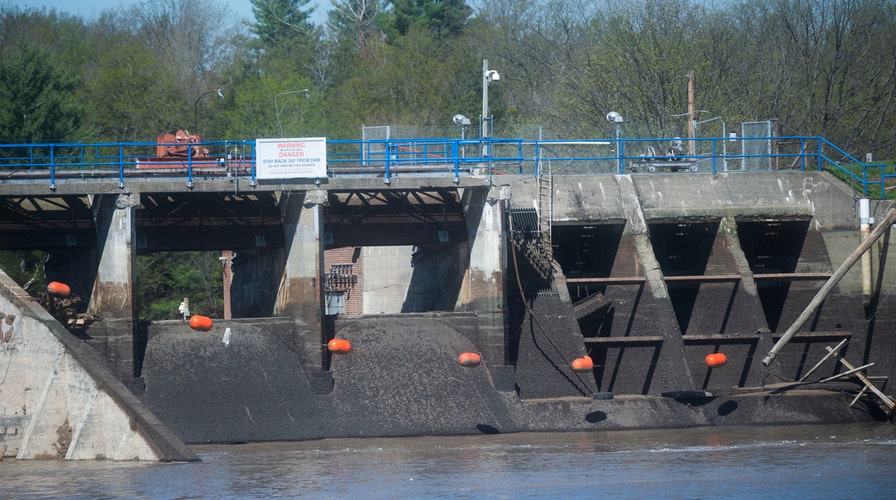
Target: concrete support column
300	294
113	296
113	293
728	227
638	228
482	290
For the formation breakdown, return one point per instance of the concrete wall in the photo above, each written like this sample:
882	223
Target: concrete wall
600	198
387	277
57	399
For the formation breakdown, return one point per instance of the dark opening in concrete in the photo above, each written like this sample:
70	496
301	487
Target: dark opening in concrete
772	247
683	249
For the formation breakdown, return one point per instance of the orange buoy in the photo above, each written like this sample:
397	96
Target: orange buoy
58	289
716	359
469	359
583	364
201	323
339	346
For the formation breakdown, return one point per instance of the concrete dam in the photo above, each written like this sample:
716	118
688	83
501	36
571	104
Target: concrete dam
645	274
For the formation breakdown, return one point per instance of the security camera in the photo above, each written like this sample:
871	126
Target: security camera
614	117
461	120
492	75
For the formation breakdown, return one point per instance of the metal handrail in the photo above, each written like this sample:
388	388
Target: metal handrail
443	156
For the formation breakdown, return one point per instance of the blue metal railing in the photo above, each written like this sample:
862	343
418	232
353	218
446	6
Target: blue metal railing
454	157
824	161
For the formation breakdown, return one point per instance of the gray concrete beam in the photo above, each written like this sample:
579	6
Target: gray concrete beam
219	184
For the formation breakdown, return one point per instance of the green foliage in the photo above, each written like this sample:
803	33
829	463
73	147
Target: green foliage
852	174
281	22
26	268
130	95
265	105
395	87
442	18
164	279
821	67
36	98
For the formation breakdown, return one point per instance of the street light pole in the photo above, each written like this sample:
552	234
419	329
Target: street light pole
615	118
278	109
484	132
488	76
692	115
196	106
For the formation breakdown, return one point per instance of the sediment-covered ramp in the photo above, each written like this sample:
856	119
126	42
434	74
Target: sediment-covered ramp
401	378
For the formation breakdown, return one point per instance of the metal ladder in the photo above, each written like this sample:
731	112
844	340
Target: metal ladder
544	253
545	201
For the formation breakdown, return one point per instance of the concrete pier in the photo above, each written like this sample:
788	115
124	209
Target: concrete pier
301	293
482	289
113	297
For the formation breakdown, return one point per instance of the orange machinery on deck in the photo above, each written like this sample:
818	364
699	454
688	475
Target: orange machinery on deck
182	149
178	145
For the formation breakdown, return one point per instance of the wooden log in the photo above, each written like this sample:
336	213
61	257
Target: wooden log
883	397
825	358
882	228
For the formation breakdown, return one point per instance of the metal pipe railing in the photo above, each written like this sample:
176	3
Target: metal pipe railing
510	156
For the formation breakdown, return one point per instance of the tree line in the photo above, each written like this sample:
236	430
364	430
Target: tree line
819	67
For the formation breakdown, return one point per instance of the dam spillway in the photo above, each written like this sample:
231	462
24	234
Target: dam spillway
647	274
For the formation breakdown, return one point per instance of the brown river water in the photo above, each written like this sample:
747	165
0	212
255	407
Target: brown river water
830	461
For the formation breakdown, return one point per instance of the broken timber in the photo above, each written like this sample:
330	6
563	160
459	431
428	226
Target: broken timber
890	404
829	285
835	352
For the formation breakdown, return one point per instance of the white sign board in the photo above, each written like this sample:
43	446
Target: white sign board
291	158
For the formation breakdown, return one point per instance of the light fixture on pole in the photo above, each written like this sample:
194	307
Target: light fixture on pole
278	109
614	117
196	106
464	122
488	76
708	120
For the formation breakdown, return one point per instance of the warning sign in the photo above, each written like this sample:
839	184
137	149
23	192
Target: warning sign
291	158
